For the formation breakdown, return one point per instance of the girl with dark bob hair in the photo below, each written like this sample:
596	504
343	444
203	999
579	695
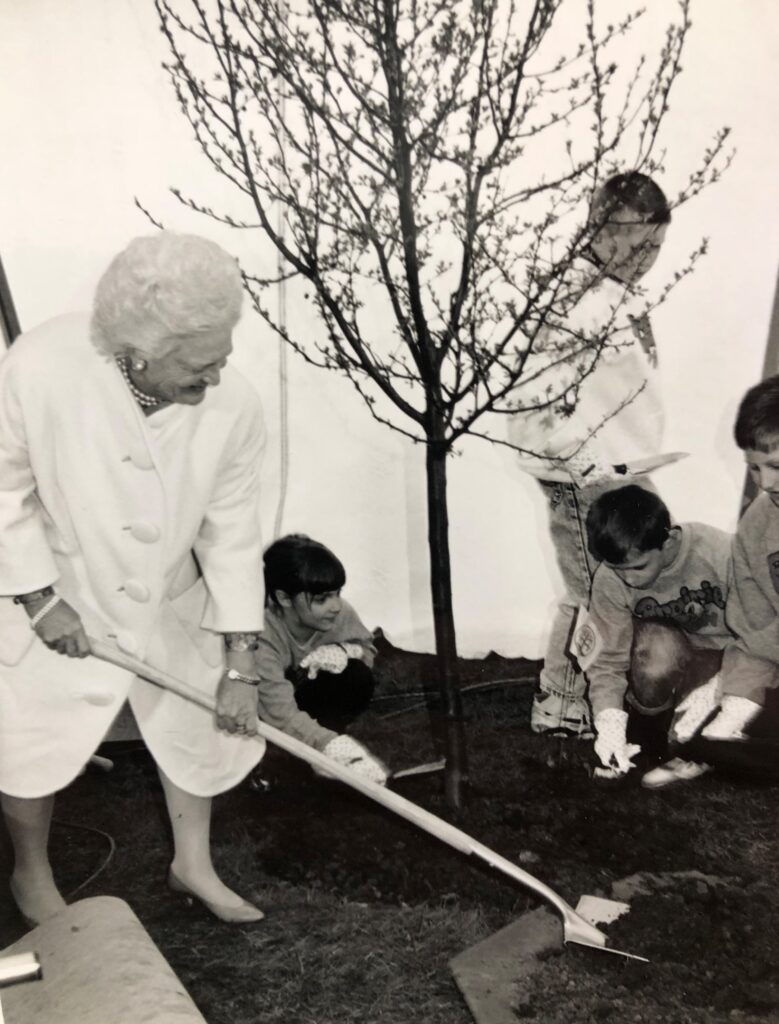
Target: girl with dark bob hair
315	657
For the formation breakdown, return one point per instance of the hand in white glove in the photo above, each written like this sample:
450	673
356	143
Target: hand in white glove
356	651
328	658
611	746
351	754
693	711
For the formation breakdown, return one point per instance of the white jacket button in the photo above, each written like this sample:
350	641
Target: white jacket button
145	532
137	591
100	700
126	641
140	458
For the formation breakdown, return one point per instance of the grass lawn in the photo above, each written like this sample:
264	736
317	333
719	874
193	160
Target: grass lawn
363	911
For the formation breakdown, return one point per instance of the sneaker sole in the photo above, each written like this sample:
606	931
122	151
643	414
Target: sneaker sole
669	778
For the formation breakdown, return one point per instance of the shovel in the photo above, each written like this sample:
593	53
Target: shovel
575	927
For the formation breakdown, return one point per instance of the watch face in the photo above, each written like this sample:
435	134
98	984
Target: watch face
241	642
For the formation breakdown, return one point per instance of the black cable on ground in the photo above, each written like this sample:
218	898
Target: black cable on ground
106	861
472	687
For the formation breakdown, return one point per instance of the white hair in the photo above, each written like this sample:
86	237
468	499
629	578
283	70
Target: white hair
162	288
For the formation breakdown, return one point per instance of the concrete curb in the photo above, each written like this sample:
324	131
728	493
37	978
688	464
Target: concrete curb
99	964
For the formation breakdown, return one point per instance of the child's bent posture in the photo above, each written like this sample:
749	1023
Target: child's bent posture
598	371
752	666
653	639
314	656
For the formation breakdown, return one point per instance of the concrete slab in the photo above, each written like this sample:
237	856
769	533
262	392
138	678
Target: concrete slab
100	965
489	974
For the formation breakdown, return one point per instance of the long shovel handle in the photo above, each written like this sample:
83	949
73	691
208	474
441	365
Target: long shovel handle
575	928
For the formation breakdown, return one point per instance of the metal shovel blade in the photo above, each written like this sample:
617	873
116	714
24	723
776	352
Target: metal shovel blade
598	910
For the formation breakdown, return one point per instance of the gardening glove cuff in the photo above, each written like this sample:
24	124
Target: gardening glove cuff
353	650
351	754
693	711
611	746
328	658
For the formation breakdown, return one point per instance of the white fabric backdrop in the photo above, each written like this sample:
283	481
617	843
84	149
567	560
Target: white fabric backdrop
88	122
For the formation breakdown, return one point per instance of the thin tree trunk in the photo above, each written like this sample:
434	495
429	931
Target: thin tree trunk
450	710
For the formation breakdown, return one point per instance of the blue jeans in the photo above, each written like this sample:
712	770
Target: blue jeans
561	699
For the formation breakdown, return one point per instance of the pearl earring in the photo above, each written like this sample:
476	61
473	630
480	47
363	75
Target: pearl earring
139	364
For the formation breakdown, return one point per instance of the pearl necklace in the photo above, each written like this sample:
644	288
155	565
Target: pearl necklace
145	401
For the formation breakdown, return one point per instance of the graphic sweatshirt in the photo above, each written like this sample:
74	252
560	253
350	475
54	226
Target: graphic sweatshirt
690	592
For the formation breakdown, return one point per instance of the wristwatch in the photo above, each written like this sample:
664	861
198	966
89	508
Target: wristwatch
34	595
241	641
239	677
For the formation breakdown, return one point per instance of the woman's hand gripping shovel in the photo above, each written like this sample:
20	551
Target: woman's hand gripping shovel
575	927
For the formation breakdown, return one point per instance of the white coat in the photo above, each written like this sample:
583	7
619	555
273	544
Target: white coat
149	528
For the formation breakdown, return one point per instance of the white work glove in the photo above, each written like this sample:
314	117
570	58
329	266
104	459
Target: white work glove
693	711
328	658
351	754
356	651
615	753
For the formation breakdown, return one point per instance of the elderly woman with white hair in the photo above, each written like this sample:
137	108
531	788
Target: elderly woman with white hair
129	510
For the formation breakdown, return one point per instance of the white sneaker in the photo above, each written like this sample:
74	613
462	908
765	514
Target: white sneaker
735	714
675	770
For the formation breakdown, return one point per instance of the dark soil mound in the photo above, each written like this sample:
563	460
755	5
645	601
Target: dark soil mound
712	950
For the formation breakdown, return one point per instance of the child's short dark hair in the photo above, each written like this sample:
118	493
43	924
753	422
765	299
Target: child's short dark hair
757	420
632	191
296	564
627	519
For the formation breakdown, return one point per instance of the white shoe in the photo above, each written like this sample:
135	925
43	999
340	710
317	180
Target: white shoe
735	714
675	770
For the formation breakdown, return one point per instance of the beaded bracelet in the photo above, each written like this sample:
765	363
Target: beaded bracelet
54	600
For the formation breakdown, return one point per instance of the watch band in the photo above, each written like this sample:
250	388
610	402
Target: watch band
34	595
241	641
239	677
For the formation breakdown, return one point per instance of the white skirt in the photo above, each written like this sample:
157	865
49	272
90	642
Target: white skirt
55	711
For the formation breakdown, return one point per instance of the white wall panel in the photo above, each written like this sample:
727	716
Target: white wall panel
88	122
